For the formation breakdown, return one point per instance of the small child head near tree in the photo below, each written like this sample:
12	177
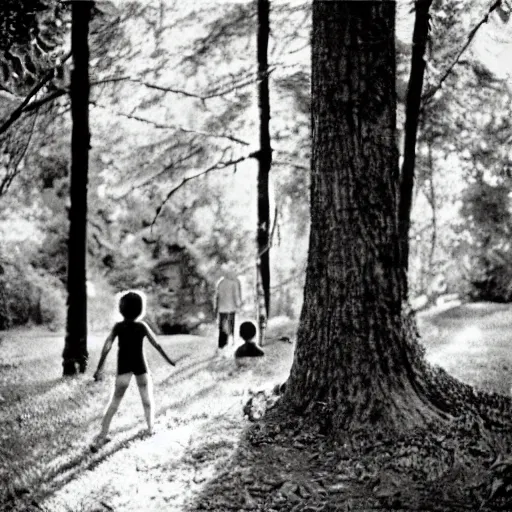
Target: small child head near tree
132	305
247	331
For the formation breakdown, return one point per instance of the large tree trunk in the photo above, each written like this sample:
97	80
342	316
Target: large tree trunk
412	113
75	349
354	358
265	163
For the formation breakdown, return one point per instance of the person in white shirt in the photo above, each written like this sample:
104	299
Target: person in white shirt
228	298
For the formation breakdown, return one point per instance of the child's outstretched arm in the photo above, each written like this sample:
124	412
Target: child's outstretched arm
104	352
152	339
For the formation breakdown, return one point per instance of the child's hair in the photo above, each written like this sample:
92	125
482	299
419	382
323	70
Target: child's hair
247	331
132	305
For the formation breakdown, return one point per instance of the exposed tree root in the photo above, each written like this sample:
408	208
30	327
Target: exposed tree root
455	469
439	430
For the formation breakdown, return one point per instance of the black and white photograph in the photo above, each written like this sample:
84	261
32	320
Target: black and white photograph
256	255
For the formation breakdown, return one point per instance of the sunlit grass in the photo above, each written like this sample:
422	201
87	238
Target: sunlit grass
47	423
472	342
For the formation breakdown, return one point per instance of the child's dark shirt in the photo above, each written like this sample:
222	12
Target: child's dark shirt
130	356
249	350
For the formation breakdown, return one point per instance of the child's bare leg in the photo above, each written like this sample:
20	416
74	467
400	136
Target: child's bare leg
146	395
122	383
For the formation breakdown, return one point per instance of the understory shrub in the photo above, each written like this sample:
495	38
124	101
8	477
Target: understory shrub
16	296
28	295
490	279
485	249
51	302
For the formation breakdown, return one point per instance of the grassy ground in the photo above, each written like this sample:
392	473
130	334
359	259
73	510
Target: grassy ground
200	457
473	342
47	423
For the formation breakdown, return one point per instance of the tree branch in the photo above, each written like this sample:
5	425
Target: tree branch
162	88
27	106
268	246
433	205
216	93
62	92
161	126
429	94
19	110
290	163
217	166
272	232
168	167
45	99
9	176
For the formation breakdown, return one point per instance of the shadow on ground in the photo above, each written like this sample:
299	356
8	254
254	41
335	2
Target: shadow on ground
194	434
207	457
282	465
47	423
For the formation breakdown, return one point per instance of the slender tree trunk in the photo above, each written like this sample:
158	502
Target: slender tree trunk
353	364
265	163
433	205
75	348
412	113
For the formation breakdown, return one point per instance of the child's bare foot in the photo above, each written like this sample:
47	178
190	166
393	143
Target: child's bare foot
98	442
149	432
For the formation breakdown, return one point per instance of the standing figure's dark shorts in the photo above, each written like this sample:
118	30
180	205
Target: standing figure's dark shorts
130	356
226	327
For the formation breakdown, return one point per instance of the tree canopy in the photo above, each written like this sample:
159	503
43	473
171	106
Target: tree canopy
175	122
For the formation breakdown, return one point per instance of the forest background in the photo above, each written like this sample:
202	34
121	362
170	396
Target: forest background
172	177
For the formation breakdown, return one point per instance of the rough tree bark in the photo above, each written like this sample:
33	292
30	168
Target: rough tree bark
265	163
75	353
412	114
354	357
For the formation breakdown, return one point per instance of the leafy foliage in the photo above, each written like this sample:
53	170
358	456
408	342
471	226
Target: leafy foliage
181	100
463	137
31	36
28	295
486	209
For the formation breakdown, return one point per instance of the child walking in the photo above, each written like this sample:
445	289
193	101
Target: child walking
130	360
228	299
